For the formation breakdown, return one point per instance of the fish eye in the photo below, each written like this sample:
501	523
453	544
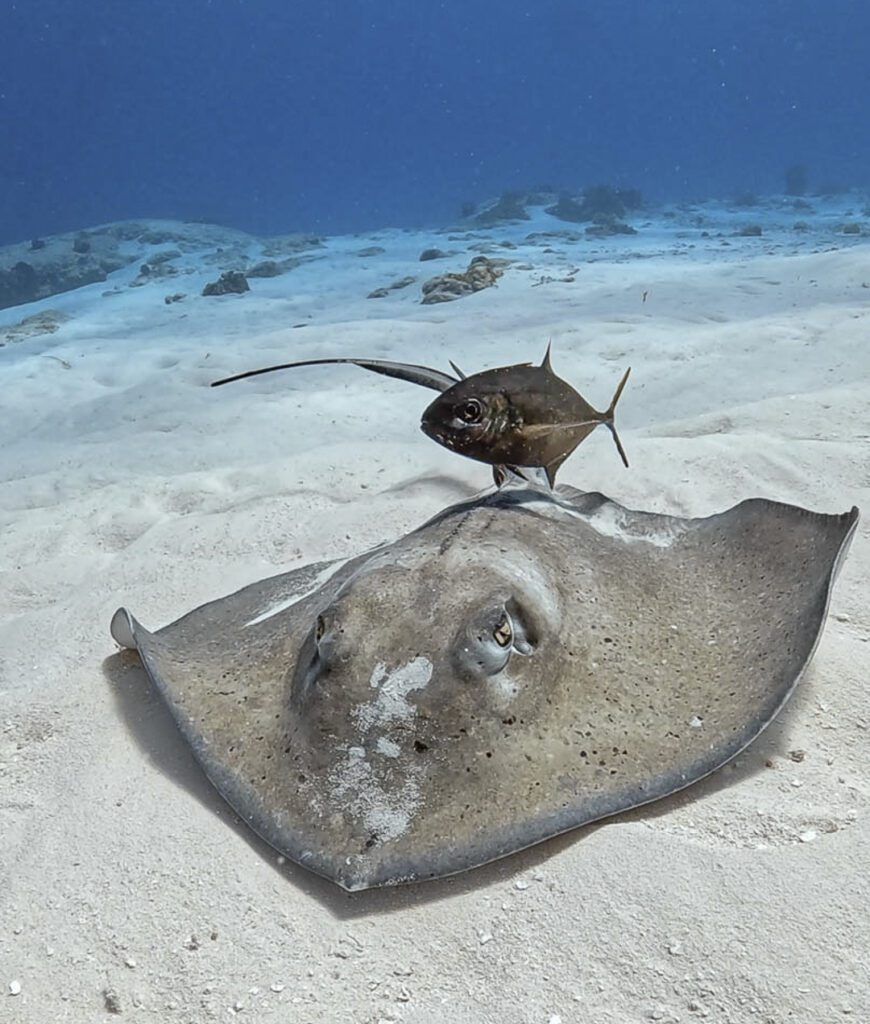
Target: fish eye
471	411
319	629
503	633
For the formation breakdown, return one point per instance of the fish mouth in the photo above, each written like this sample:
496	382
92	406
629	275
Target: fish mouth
433	429
440	436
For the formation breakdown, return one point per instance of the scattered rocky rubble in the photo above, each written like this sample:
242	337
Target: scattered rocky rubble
280	245
382	293
46	322
231	282
482	273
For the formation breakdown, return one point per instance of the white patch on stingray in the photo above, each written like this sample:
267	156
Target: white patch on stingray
383	808
611	521
391	704
355	785
295	597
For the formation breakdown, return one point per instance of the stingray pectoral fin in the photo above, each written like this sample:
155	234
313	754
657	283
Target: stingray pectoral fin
425	376
123	629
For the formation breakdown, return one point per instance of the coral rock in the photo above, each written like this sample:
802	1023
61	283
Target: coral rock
230	282
481	273
510	207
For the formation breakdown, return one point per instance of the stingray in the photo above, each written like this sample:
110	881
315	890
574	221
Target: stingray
524	663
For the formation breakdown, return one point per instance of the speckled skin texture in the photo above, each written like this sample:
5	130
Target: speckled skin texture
519	666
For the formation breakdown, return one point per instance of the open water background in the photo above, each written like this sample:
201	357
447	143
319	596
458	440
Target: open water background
345	115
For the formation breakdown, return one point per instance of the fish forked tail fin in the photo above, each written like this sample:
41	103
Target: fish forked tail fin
607	417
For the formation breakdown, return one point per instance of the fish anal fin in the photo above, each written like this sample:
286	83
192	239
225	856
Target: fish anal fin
552	468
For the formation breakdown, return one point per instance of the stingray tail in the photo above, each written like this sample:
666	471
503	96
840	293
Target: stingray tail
607	417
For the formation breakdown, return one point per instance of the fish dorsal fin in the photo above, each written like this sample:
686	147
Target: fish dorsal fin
456	370
545	363
425	376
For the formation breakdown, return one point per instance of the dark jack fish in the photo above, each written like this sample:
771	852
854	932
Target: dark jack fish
512	417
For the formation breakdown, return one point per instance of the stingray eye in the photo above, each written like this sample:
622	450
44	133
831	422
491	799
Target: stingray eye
319	629
503	633
471	411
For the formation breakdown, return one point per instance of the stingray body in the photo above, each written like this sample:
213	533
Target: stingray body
511	417
520	665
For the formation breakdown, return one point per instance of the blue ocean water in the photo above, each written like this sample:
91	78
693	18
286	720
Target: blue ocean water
345	115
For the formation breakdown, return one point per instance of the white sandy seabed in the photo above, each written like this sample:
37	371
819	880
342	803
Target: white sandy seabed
127	886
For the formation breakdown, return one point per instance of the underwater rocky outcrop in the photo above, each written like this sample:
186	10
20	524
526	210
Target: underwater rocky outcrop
598	203
231	282
507	209
157	267
608	228
280	245
274	268
482	272
46	267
